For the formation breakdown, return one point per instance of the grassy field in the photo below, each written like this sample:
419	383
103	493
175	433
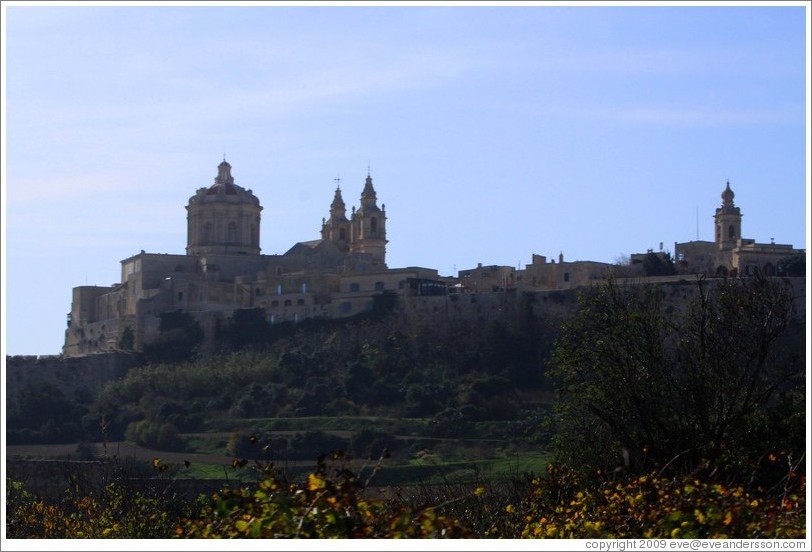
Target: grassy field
419	458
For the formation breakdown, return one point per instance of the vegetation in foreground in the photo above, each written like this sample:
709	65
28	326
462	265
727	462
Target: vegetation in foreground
332	502
681	421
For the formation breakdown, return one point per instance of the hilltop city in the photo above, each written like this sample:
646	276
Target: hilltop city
342	272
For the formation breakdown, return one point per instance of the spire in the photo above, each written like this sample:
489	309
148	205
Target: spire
337	208
368	196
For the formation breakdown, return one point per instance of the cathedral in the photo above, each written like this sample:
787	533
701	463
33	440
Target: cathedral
340	274
223	270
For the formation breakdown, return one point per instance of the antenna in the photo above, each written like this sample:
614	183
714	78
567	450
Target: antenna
697	223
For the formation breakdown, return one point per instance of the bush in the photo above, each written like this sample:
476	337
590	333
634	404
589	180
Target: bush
562	506
330	504
152	434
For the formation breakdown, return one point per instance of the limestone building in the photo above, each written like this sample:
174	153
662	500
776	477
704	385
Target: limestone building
223	270
341	273
730	253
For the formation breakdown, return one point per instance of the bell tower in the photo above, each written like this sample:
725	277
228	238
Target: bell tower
728	221
369	225
337	227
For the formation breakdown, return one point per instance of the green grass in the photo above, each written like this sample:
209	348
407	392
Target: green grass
420	458
404	426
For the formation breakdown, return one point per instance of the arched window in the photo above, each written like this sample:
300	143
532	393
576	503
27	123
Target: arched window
232	232
254	235
342	234
731	231
207	232
373	226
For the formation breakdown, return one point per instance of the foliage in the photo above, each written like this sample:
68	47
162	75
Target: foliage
655	264
248	328
157	435
563	506
180	336
127	341
644	384
332	501
329	504
103	499
44	414
794	266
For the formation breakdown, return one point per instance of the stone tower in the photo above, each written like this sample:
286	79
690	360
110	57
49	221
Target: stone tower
369	226
223	219
728	221
337	227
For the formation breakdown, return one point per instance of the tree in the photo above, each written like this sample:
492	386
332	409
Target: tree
656	264
180	336
127	341
248	329
642	381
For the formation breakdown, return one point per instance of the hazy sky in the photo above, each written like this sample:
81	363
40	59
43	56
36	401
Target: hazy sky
492	132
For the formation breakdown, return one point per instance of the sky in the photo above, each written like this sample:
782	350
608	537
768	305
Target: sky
492	132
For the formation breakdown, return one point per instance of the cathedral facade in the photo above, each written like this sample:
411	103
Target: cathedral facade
223	270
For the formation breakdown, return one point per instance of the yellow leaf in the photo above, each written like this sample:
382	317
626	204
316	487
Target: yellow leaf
479	491
314	482
728	518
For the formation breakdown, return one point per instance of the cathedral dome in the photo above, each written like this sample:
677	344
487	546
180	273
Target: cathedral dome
223	218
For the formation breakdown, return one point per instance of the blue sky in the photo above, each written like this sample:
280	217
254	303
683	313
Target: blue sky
492	132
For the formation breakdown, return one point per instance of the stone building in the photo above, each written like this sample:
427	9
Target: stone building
223	270
730	253
341	273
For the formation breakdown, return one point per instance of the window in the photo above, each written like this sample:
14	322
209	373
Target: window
355	286
373	226
342	234
274	303
232	232
566	276
207	232
258	292
180	296
379	286
731	232
287	302
300	301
